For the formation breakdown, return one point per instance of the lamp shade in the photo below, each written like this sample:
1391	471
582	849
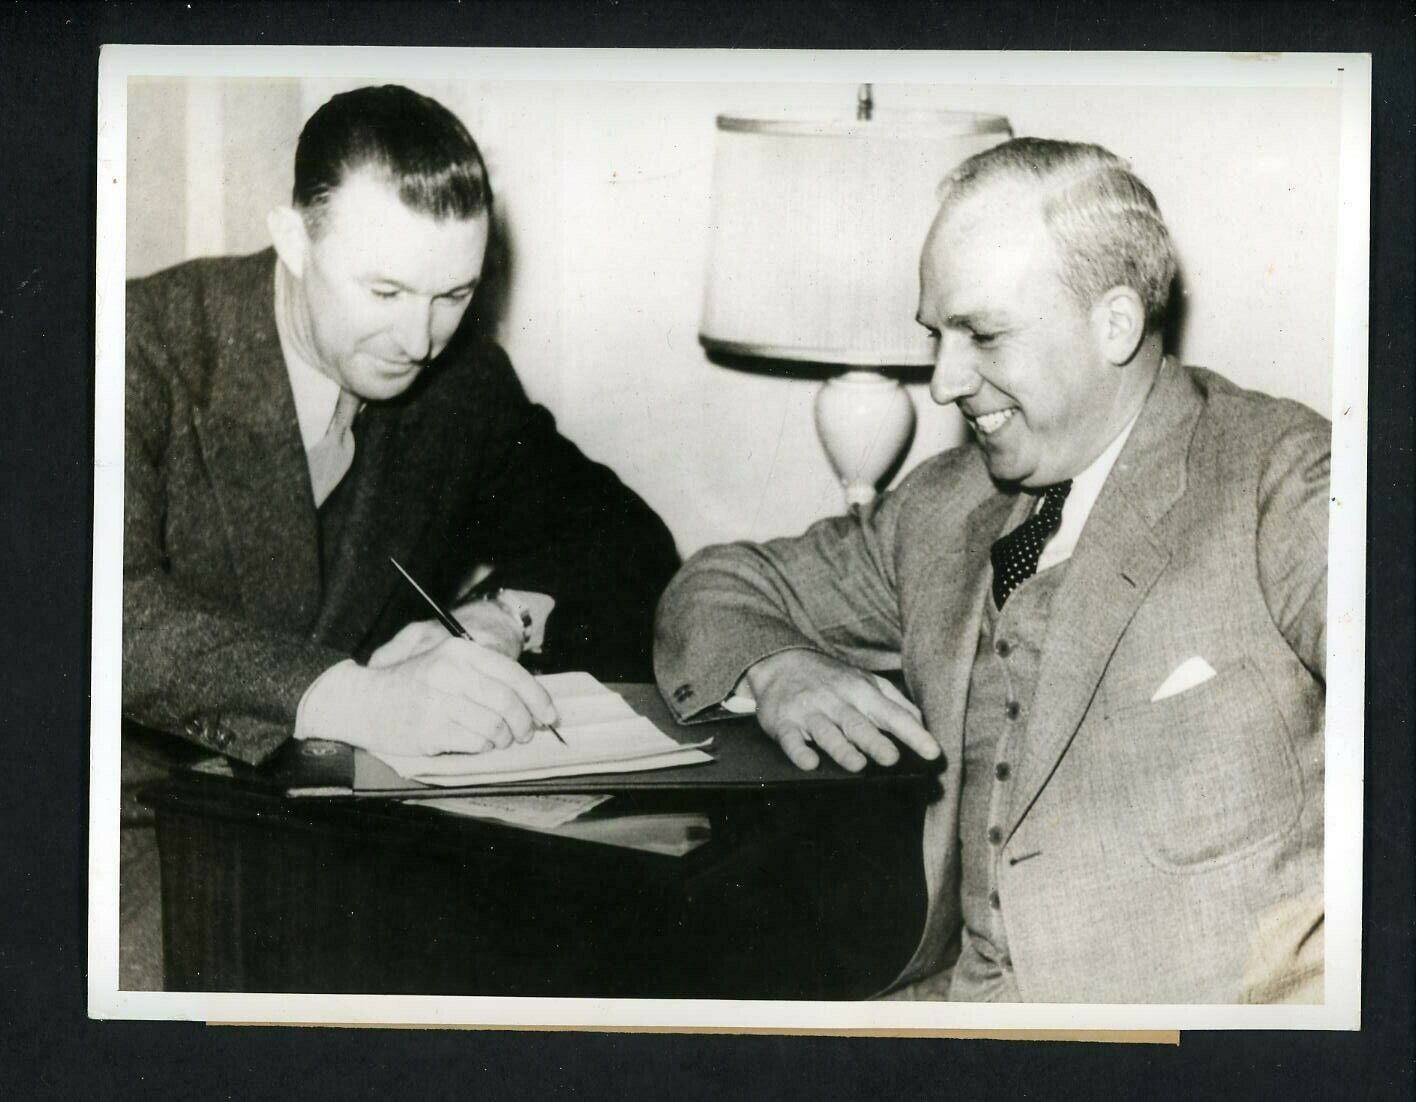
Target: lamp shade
816	228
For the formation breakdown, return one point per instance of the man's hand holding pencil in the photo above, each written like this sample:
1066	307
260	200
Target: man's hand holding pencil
422	693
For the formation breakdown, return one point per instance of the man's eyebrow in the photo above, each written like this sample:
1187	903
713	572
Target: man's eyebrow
373	278
983	319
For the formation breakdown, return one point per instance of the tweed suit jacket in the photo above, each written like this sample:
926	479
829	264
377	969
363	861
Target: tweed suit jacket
229	612
1166	851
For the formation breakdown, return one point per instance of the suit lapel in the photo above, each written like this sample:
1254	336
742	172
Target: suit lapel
1116	562
250	440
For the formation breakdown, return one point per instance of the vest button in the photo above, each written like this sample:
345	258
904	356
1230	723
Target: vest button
1002	770
994	901
995	835
1003	647
1012	709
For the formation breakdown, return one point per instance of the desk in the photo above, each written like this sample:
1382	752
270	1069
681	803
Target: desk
807	893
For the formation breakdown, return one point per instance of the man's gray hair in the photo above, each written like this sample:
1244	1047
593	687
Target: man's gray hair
1104	221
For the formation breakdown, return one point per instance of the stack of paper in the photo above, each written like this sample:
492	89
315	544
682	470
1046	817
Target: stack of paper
602	734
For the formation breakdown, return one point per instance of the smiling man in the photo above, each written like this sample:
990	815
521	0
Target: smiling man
1109	609
296	418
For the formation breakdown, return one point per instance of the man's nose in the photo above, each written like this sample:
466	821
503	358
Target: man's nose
955	376
415	331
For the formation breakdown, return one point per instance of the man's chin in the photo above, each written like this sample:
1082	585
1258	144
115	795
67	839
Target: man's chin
1006	470
385	384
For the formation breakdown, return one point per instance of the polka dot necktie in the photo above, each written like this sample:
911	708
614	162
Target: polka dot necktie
1015	555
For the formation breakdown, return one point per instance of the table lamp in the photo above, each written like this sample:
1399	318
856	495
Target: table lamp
815	232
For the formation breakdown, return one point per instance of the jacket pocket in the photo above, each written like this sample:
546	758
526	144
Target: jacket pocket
1209	774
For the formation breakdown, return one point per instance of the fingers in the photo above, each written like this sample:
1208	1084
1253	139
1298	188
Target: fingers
829	736
891	712
496	697
864	734
455	697
894	695
448	729
851	739
514	676
481	702
462	727
792	740
848	714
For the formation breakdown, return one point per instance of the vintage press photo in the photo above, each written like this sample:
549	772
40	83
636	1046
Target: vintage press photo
585	265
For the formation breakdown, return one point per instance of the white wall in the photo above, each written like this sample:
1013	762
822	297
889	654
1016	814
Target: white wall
603	192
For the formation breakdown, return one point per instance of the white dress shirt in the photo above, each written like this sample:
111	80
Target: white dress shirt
315	393
1086	488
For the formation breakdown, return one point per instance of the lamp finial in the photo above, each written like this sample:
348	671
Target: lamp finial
865	103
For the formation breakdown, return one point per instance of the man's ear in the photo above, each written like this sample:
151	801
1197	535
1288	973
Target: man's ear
291	238
1119	324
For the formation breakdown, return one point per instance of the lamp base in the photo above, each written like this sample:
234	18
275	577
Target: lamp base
865	420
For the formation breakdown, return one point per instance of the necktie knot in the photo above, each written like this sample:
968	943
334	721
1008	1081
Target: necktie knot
1015	554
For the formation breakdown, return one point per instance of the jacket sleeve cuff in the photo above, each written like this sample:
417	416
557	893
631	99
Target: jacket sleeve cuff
709	698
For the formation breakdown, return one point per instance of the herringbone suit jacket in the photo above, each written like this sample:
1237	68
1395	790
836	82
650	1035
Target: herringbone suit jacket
230	610
1154	851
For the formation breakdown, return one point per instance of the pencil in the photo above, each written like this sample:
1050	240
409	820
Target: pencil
450	622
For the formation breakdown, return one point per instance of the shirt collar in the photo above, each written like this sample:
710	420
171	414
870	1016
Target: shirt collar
315	393
1086	488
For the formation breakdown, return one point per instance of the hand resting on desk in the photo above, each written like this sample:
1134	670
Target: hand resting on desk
804	694
452	697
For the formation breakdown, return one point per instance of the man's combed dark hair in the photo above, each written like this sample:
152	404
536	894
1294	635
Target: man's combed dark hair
418	145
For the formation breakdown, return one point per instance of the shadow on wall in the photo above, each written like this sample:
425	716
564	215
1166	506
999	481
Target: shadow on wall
1174	333
489	308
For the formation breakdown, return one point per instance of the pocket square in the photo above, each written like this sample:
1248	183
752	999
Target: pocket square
1191	672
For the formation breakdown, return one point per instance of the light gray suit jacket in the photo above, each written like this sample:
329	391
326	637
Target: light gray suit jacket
1155	852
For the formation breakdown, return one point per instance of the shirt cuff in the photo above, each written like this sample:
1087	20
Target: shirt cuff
539	606
314	718
741	702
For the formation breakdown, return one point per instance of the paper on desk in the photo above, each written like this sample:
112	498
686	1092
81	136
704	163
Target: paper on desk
565	686
623	746
581	711
602	735
542	812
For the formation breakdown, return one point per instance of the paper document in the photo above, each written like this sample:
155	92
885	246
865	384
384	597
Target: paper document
602	734
543	812
672	834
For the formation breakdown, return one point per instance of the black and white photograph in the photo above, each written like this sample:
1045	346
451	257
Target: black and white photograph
753	540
